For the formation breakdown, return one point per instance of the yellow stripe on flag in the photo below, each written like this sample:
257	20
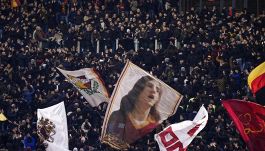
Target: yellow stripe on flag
255	73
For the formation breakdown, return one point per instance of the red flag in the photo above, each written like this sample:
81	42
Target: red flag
249	119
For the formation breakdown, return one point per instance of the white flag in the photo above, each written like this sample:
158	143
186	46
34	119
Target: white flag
89	84
177	137
52	127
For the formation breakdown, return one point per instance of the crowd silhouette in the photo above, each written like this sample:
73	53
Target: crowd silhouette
205	55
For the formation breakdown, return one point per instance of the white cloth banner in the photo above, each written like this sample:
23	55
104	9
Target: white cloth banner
89	84
177	137
52	127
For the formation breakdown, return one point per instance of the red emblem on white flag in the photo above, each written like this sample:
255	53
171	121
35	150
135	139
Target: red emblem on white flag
177	137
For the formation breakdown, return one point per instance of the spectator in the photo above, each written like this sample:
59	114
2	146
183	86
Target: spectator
29	142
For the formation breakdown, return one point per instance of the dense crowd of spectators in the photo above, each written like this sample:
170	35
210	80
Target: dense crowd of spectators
205	55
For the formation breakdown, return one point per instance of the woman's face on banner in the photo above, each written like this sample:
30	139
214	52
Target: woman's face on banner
150	95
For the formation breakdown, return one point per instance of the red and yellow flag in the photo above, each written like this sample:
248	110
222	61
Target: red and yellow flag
256	78
249	119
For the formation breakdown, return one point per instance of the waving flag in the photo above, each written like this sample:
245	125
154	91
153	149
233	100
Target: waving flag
89	84
256	82
180	135
52	127
139	103
15	3
2	117
249	119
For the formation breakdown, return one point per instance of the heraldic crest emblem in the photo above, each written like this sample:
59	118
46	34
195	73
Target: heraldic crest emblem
45	130
90	86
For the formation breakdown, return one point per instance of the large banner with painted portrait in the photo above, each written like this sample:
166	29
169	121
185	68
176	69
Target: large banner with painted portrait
139	103
89	84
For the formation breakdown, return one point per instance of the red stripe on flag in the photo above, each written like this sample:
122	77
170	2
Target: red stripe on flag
258	83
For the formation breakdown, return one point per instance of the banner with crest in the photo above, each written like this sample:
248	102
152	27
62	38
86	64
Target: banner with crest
139	103
249	119
52	127
89	84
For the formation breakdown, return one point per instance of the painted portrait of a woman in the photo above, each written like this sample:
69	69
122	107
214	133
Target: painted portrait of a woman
137	115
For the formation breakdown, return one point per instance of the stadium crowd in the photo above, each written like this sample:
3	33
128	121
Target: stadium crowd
205	55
